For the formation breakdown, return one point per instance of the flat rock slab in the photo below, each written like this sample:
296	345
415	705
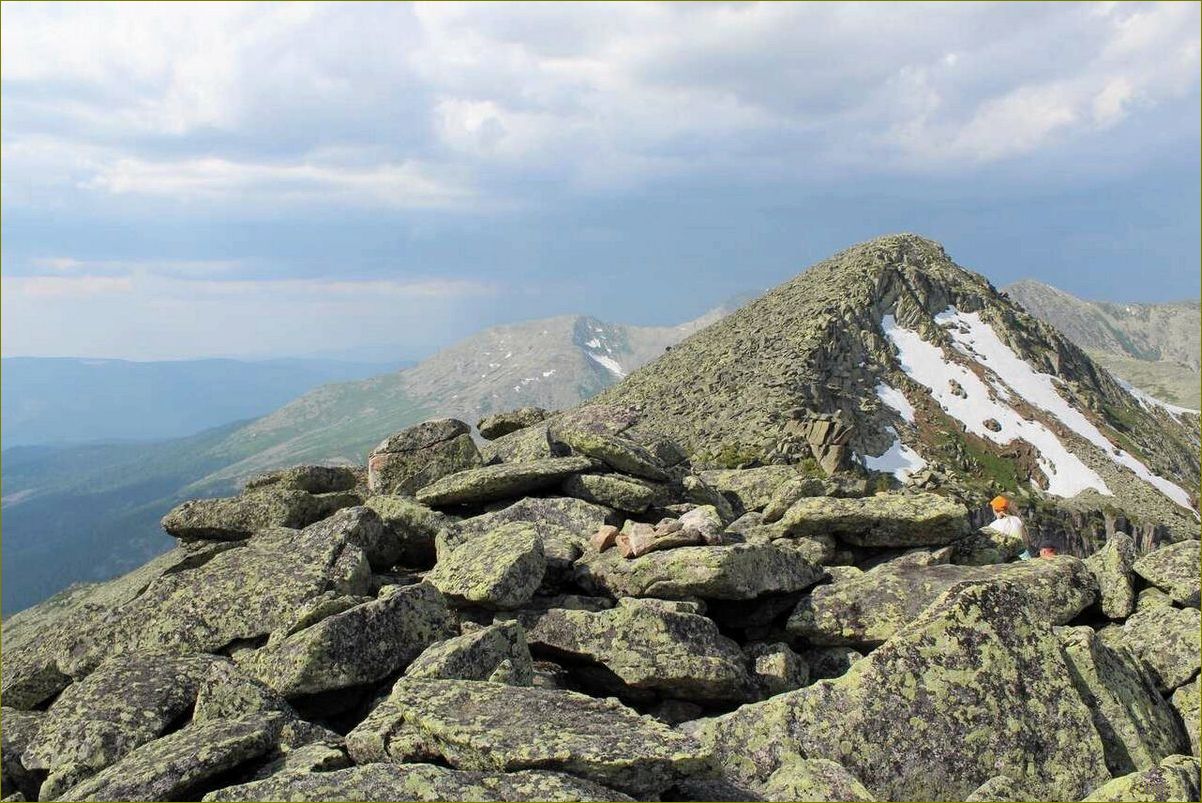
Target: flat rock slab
126	702
497	425
501	569
868	608
416	457
176	766
313	479
502	481
1138	728
888	520
478	655
612	490
1186	702
495	727
973	688
419	782
1175	778
238	517
362	645
737	571
648	646
1173	568
751	488
1168	641
614	451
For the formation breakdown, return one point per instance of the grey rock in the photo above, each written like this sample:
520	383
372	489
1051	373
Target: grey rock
413	526
886	520
1176	778
495	426
612	490
313	479
998	788
614	451
776	669
1167	639
17	730
477	656
238	517
829	662
503	481
749	488
817	779
501	569
1111	566
1173	568
1185	702
413	458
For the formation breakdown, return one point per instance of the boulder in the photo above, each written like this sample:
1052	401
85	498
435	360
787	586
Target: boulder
1185	702
236	518
997	788
1111	566
492	726
614	451
523	446
313	479
413	527
1167	639
790	491
986	546
1138	728
698	492
974	687
359	646
128	701
612	490
737	571
478	655
237	596
415	457
829	662
885	520
421	782
1176	778
749	488
503	481
817	779
1174	569
363	527
563	524
496	425
500	569
868	608
17	730
176	766
647	646
776	669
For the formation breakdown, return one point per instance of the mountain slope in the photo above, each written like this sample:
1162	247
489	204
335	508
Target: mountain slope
920	360
102	503
1156	347
65	400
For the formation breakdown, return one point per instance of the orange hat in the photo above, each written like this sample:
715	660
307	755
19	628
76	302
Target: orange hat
999	503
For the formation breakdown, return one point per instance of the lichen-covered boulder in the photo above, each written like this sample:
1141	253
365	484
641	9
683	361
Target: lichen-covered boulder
501	569
785	494
737	571
1138	728
996	789
478	655
1167	639
1185	701
647	646
413	527
523	446
362	645
502	481
238	517
313	479
775	668
491	726
975	687
176	766
1111	566
126	702
886	520
868	608
614	451
17	729
1173	568
363	527
415	457
612	490
419	782
238	595
749	488
563	525
1176	778
816	779
829	662
497	425
986	546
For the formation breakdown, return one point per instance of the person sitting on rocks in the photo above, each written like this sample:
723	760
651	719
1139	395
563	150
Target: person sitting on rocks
1007	522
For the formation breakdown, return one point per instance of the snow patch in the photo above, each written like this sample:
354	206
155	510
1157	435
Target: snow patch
894	398
899	460
1148	401
594	343
548	373
972	335
927	365
607	362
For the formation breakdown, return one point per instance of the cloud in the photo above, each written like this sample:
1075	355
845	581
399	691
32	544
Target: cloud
41	287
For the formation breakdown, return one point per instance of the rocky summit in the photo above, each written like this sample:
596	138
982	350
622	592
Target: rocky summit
704	586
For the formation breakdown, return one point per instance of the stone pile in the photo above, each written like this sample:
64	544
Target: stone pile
571	612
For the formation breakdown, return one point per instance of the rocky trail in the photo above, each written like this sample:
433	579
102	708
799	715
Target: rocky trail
584	607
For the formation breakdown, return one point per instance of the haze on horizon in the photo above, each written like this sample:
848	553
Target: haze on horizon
377	180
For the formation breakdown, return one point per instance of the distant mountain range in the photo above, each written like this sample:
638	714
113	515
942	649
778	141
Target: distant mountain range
51	400
95	508
1155	347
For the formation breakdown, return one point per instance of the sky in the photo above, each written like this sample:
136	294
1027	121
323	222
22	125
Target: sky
376	181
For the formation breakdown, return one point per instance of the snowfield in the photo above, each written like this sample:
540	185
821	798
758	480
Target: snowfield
900	460
607	362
